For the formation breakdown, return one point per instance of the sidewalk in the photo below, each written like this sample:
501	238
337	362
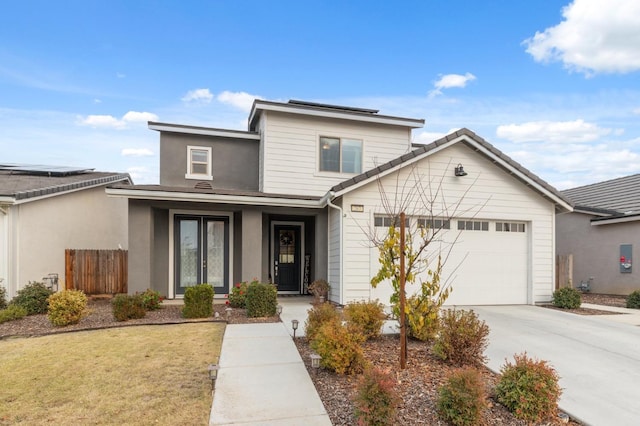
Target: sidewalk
263	381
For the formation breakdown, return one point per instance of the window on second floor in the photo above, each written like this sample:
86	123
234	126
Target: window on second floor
199	163
340	155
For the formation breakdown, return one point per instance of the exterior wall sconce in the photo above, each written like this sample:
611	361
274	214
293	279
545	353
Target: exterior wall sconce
315	362
213	374
459	170
294	325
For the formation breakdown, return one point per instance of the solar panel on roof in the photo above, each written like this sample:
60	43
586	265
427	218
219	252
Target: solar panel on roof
44	170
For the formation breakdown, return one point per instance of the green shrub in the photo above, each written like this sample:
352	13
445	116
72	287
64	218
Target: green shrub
529	389
340	348
67	307
462	338
317	316
462	399
368	317
422	318
33	297
262	300
633	300
3	298
12	312
198	301
376	400
126	307
567	298
238	295
151	300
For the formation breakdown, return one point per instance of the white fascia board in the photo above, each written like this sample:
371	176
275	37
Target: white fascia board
161	127
7	200
13	201
291	109
212	198
634	218
590	213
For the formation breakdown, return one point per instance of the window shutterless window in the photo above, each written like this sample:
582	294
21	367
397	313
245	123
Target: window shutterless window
386	221
340	155
199	163
510	227
434	223
473	225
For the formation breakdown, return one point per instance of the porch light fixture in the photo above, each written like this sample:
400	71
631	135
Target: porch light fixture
213	374
279	310
459	170
315	361
294	325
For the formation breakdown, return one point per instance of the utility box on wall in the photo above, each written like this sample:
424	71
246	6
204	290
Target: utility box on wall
625	258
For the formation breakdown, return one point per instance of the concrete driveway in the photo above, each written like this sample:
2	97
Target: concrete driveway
597	359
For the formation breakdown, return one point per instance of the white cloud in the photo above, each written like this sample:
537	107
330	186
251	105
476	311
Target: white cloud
97	101
449	81
636	111
552	131
120	75
109	121
198	95
241	100
595	36
136	152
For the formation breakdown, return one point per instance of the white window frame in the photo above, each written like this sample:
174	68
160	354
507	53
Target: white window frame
340	139
199	176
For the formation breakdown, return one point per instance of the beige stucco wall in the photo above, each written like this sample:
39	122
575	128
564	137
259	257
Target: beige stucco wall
43	229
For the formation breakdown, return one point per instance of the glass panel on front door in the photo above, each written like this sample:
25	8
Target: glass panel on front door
188	273
215	253
287	241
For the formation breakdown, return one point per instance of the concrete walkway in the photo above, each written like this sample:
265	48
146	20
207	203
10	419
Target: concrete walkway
263	381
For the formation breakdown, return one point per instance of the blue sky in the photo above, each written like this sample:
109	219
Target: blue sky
554	84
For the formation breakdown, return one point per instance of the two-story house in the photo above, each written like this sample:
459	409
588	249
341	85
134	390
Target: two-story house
303	192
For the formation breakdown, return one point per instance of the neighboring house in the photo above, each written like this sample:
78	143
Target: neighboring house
47	209
601	234
297	197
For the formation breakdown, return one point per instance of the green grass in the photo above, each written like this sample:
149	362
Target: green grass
130	375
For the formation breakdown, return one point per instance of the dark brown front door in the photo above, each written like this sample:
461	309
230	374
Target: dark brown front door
286	267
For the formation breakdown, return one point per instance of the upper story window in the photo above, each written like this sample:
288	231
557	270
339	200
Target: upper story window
199	163
340	155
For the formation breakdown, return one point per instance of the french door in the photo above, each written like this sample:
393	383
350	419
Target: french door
201	252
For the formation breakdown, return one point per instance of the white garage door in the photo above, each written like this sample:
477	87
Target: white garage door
491	263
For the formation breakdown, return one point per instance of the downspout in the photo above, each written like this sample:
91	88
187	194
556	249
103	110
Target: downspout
330	196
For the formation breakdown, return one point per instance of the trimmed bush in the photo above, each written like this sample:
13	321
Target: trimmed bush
238	295
368	317
376	400
340	348
462	338
126	307
67	307
151	300
33	297
317	316
262	300
3	298
529	389
198	301
633	300
422	318
567	298
11	313
462	399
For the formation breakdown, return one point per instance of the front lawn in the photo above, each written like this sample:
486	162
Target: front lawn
130	375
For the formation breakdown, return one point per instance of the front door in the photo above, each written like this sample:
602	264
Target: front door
201	252
286	257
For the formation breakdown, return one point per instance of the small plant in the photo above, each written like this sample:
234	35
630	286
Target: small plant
3	298
198	301
368	317
422	318
317	316
238	295
67	307
320	288
462	338
376	400
126	307
340	348
529	389
633	300
262	300
462	399
33	297
567	298
11	313
151	300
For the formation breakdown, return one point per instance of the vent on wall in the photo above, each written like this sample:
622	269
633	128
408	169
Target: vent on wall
203	185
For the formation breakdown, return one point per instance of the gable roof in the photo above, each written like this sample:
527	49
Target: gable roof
615	196
480	145
24	186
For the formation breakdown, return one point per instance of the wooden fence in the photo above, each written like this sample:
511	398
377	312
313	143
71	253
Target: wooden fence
564	271
96	271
